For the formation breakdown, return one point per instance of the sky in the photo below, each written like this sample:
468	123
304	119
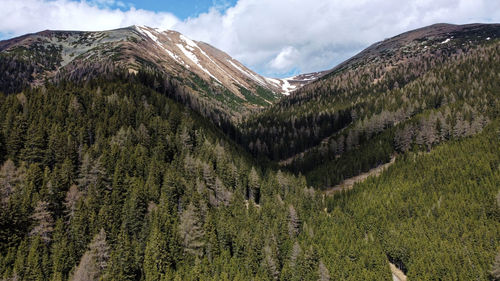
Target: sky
276	38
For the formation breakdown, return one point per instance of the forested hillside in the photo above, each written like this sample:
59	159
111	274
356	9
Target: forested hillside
411	94
120	177
114	180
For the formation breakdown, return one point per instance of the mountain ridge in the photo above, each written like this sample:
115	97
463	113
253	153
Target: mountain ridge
168	46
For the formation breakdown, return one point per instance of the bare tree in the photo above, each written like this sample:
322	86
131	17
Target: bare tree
403	138
429	132
270	262
10	176
293	222
296	251
90	172
324	274
72	197
495	270
191	231
94	261
44	222
100	249
253	185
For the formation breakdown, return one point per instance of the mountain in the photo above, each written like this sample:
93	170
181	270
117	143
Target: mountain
391	83
435	37
194	69
116	167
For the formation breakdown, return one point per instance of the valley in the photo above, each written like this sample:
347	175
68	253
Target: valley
140	154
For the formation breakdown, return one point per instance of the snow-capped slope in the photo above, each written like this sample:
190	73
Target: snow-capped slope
201	69
137	47
209	62
206	61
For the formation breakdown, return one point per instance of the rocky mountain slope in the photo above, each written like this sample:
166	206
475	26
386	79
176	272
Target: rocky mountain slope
435	38
133	48
204	77
64	53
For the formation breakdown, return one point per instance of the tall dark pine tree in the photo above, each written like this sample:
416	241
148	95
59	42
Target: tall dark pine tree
35	145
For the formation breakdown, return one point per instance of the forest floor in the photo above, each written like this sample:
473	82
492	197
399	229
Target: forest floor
349	183
397	274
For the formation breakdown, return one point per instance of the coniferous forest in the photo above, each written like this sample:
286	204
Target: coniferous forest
117	178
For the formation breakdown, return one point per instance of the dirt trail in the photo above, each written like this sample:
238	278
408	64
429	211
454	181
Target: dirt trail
349	183
397	274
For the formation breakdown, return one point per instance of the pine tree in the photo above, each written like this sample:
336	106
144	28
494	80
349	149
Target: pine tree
35	145
37	262
60	252
15	139
162	250
123	265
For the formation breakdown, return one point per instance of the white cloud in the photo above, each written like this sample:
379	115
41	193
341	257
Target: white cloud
271	37
285	59
321	33
24	16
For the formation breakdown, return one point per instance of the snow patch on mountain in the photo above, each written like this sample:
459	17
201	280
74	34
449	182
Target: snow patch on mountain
287	87
146	32
274	81
248	74
195	60
290	84
175	57
192	51
153	37
191	45
283	84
